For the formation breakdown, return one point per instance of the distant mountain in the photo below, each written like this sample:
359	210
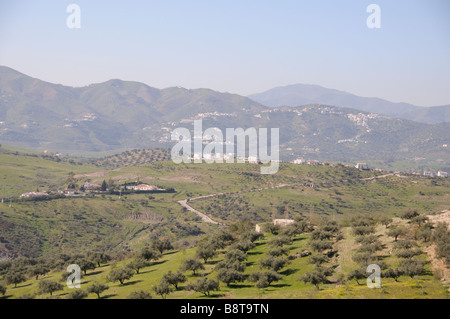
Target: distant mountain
303	94
99	117
121	115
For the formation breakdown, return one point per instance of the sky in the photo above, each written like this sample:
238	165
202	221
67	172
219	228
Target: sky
236	46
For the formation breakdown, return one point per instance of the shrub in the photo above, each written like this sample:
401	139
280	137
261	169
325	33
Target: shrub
140	294
204	285
77	294
97	288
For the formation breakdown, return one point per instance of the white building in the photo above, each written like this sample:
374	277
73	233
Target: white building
253	159
299	160
362	166
442	174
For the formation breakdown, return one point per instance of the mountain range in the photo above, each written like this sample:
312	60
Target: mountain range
302	94
117	115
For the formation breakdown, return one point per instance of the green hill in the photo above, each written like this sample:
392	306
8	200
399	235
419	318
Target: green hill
289	284
122	115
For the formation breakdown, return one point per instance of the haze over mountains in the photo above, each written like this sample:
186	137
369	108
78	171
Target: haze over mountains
118	115
302	94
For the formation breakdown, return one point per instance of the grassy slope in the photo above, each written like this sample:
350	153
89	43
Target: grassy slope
289	287
102	222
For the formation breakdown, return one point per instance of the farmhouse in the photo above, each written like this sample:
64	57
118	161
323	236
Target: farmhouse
428	173
299	160
70	192
253	159
88	185
363	166
143	187
33	194
442	174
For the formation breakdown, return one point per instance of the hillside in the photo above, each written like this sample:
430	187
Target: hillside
100	117
119	222
117	116
287	278
303	94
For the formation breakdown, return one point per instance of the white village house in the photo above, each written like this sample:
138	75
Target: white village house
298	160
442	174
362	166
142	187
33	194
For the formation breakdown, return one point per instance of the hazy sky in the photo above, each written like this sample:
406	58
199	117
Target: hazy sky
237	46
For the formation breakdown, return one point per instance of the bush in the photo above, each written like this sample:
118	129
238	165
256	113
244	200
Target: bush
47	286
229	276
120	275
2	290
393	273
77	294
97	289
174	278
410	214
409	253
204	285
193	264
357	274
140	294
363	230
163	288
265	278
412	267
318	259
321	245
274	263
441	236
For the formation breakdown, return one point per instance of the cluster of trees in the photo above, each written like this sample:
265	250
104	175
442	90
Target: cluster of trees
207	249
405	245
135	157
441	237
322	242
22	269
234	244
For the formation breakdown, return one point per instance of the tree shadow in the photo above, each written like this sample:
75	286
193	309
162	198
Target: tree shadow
288	271
254	253
21	286
279	285
215	295
298	239
146	271
107	296
237	286
157	263
129	283
93	273
170	252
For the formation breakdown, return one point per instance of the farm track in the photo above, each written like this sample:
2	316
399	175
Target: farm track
205	218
